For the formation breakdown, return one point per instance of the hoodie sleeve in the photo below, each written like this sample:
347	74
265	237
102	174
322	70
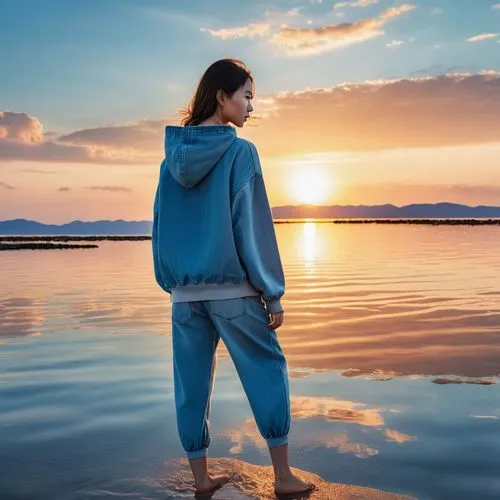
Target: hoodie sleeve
256	239
154	242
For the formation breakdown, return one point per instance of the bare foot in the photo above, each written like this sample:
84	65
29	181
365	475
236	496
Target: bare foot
291	484
211	483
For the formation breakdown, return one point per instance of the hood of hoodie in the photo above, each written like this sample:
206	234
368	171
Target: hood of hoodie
191	152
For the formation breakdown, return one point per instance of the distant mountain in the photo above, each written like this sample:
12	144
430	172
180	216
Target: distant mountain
420	211
80	228
122	227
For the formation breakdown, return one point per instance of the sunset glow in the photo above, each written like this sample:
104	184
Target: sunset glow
356	102
311	187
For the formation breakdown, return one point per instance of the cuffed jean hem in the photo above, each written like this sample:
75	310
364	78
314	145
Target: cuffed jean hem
197	454
279	441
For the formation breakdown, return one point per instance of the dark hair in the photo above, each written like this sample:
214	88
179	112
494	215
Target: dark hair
225	74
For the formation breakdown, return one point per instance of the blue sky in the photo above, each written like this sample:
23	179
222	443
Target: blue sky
88	86
76	64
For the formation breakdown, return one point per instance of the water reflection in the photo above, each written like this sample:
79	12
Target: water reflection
102	406
328	409
360	299
309	244
21	316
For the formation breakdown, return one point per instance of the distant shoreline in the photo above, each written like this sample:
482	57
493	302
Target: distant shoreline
45	242
434	221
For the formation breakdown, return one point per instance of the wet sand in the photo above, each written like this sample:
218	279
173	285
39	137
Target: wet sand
257	482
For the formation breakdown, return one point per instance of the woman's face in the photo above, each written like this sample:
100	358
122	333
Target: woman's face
237	108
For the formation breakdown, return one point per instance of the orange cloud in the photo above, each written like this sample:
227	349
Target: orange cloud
250	31
22	138
483	36
20	127
451	109
308	41
430	111
393	12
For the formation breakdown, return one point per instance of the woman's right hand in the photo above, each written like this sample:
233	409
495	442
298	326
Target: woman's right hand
276	320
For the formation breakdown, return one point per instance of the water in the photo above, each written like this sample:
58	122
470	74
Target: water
392	338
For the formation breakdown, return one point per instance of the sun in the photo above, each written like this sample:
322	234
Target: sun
311	186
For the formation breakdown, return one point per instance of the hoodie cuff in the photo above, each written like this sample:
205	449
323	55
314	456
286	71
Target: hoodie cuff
273	306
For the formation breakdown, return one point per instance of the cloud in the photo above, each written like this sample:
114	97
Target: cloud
428	111
20	127
64	189
309	41
293	12
394	43
6	186
401	192
420	111
472	191
355	3
496	6
143	135
393	12
38	171
483	36
11	150
249	31
111	188
22	138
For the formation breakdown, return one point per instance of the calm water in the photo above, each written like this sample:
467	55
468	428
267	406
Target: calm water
392	335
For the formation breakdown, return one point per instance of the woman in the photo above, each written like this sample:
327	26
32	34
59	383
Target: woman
215	252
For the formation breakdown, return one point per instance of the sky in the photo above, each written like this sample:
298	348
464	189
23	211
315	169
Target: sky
357	102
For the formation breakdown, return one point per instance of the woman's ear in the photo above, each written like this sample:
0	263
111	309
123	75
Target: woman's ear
220	96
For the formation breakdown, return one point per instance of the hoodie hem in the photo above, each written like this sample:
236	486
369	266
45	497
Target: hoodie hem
212	291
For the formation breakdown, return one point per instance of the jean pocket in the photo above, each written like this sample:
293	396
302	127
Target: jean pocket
228	308
181	312
257	304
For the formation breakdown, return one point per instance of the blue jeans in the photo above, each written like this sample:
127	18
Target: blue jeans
256	354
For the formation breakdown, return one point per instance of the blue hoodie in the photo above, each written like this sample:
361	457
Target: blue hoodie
213	235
